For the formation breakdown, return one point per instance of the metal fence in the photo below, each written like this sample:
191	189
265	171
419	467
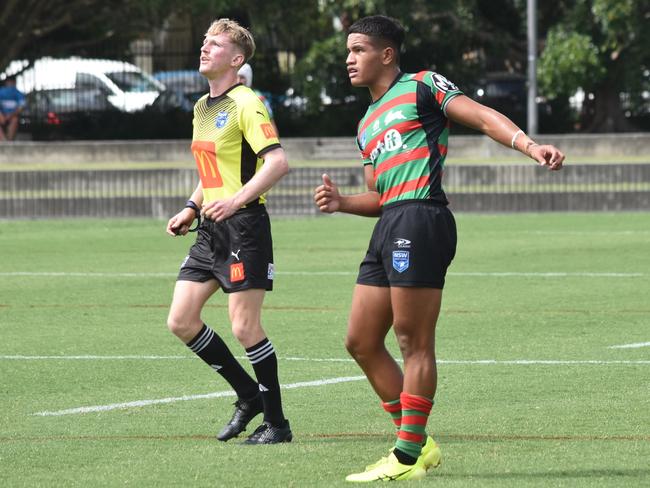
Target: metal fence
159	193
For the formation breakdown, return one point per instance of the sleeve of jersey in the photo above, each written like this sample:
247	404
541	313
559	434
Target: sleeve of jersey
442	89
256	127
364	159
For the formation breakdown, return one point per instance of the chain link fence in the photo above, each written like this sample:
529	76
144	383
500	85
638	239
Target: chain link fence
159	193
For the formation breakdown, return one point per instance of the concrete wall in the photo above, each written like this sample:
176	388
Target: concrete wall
159	193
584	145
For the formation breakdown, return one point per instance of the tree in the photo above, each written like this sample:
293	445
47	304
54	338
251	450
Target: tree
461	39
600	46
36	28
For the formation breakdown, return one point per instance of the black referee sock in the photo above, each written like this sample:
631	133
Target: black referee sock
210	347
265	364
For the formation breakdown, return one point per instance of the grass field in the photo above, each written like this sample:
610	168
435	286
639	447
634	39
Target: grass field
94	391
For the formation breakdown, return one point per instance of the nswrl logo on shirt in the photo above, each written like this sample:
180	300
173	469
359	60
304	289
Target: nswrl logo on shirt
221	119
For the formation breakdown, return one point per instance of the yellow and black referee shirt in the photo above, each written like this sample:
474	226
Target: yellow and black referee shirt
231	133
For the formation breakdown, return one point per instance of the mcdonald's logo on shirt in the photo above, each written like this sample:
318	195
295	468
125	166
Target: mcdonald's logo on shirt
268	131
206	162
237	272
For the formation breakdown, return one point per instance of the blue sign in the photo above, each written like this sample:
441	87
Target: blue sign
400	261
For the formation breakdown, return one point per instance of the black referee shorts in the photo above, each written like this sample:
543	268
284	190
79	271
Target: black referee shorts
412	244
237	252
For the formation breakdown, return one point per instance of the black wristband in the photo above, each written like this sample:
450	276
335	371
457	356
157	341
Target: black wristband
193	206
197	211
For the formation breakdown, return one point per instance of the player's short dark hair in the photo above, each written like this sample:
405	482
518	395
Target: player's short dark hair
381	27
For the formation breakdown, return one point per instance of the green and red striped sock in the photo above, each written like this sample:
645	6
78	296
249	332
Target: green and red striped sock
412	432
394	409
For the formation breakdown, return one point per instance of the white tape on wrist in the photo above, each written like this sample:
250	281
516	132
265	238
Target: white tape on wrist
514	138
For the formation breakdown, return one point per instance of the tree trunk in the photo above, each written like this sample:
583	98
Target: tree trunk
604	113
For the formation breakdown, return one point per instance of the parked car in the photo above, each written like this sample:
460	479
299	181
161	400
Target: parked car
61	113
182	89
126	87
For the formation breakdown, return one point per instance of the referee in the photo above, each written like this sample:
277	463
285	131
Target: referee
239	158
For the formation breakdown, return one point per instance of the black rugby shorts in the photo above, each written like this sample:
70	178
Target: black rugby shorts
237	252
412	245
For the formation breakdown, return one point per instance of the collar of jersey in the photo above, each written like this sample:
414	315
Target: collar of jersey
397	78
212	100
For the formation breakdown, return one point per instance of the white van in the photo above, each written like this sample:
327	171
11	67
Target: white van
125	85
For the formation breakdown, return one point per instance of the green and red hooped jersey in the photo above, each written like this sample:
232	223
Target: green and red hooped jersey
404	136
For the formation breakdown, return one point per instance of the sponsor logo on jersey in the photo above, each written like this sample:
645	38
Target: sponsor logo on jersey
391	142
221	119
376	127
400	261
206	162
402	243
442	83
393	115
271	272
268	131
235	254
237	272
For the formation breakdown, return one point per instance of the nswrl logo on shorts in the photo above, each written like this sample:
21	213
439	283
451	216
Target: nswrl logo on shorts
400	261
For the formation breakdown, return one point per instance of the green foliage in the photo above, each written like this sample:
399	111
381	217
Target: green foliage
600	46
569	60
616	21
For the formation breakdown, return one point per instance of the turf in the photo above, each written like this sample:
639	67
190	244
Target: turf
530	392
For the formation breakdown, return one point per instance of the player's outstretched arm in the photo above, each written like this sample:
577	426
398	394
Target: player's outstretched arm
470	113
329	200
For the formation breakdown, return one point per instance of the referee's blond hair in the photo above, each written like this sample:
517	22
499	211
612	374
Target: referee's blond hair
240	36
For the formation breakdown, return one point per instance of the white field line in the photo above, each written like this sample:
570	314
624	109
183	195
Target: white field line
631	346
514	362
497	274
586	232
330	381
90	357
158	401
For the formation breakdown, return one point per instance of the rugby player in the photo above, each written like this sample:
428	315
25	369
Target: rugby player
403	144
239	158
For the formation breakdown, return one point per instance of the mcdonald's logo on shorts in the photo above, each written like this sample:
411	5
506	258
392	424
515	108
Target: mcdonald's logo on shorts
237	272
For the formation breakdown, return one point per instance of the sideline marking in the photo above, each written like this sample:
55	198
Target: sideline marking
331	273
630	346
218	394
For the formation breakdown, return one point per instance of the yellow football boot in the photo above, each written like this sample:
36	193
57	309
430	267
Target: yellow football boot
431	456
389	469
